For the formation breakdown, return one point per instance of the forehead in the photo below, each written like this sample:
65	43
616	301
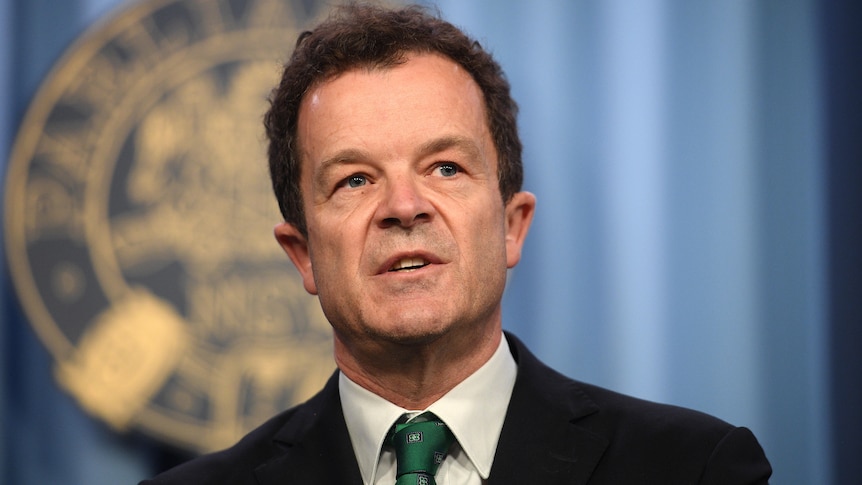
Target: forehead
426	94
436	68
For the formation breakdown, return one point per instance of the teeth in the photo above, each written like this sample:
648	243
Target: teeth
408	263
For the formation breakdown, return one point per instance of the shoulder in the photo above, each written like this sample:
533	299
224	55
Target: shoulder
236	465
657	440
660	439
630	417
608	410
608	413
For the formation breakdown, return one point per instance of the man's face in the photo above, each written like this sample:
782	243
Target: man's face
408	237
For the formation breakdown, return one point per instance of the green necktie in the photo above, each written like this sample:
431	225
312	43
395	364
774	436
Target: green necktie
420	447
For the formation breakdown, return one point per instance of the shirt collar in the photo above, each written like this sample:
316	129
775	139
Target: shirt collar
474	410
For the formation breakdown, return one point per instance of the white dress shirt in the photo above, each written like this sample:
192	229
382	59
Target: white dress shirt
474	410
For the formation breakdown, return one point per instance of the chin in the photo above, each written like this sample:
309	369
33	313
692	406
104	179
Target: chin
413	333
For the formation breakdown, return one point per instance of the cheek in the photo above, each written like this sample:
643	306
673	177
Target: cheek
336	249
489	241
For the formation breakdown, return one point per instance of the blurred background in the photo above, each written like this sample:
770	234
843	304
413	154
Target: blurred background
697	239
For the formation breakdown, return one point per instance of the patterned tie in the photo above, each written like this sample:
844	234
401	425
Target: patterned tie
420	447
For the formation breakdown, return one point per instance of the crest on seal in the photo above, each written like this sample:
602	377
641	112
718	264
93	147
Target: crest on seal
139	220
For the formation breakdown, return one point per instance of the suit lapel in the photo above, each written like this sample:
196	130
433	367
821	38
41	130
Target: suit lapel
541	441
317	445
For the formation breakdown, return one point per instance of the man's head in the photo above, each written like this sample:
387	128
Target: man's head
369	37
409	220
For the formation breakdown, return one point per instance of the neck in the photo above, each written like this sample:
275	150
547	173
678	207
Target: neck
415	375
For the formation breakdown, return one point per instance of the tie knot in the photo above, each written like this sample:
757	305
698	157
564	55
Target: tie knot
421	445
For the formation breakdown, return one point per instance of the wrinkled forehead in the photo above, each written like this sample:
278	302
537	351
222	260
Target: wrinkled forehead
427	92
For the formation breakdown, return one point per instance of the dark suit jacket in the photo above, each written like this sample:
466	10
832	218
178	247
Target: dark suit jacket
557	431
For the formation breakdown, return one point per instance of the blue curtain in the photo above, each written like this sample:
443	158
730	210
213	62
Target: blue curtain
679	248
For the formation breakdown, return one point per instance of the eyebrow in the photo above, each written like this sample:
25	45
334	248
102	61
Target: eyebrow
342	157
467	145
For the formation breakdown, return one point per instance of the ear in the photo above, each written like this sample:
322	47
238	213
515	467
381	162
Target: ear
296	246
519	215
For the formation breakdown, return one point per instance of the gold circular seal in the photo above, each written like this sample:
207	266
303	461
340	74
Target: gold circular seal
139	221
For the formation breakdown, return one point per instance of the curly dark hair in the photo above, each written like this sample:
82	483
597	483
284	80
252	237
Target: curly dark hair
368	36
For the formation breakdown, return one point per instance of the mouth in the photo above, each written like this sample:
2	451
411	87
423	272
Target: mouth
405	265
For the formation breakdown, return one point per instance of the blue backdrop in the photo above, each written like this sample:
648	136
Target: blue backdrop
682	154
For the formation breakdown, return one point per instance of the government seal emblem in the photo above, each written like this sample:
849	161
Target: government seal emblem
139	222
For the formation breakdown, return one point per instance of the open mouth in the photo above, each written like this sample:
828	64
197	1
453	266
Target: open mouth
408	264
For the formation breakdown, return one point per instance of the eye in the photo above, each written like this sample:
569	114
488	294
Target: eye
355	181
448	169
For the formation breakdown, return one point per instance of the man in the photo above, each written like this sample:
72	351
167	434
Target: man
395	158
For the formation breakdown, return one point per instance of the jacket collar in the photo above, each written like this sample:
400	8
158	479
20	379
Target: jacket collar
317	443
542	441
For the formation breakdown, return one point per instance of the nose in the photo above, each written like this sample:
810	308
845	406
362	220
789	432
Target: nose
404	204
